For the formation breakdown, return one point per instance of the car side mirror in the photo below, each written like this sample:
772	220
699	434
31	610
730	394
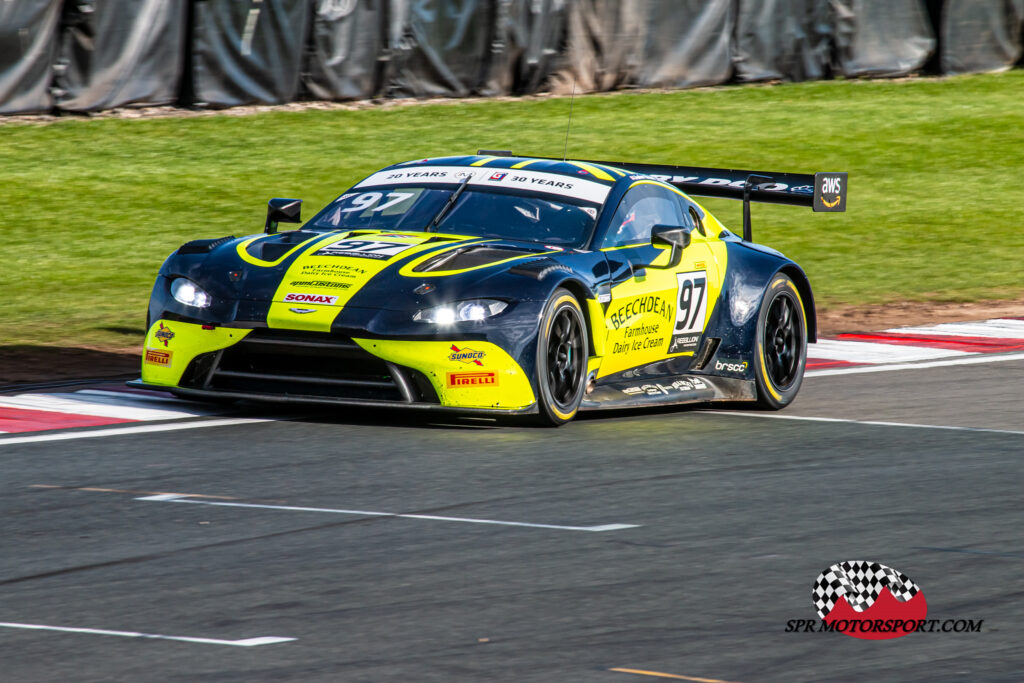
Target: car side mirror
282	211
674	237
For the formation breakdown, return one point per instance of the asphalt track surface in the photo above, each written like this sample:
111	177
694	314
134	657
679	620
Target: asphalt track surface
735	516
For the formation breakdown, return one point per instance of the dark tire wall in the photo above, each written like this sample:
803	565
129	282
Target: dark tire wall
88	55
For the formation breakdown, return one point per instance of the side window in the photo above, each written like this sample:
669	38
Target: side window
693	213
641	209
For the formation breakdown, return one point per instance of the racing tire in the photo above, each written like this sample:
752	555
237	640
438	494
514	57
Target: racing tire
780	352
562	355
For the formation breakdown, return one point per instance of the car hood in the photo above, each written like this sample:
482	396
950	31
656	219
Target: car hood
366	268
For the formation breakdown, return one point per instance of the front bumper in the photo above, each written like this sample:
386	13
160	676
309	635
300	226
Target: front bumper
263	364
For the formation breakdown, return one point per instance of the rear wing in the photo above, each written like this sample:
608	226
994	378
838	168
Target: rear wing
820	191
823	191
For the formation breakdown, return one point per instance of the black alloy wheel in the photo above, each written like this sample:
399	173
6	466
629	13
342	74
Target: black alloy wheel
561	359
782	341
781	347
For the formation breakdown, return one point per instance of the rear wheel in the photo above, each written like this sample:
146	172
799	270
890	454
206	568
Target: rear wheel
561	359
781	349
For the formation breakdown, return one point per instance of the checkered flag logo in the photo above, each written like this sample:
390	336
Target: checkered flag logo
860	583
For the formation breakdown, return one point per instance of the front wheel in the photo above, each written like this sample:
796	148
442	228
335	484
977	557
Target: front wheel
561	359
781	348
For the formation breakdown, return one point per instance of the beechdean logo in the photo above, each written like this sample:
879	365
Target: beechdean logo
868	600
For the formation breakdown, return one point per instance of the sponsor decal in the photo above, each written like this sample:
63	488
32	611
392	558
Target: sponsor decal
331	270
622	315
164	334
659	389
829	192
726	365
541	181
320	283
691	312
302	310
371	249
398	235
299	298
465	380
466	355
161	358
643	336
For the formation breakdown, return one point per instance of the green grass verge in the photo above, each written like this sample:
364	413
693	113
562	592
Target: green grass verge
91	208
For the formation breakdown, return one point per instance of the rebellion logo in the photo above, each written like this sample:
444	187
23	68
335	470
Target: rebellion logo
164	334
466	355
310	298
466	380
161	358
867	600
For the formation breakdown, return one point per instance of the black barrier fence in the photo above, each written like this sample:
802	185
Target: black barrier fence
91	55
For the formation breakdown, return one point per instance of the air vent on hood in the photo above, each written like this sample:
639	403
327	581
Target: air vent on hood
274	247
203	246
469	257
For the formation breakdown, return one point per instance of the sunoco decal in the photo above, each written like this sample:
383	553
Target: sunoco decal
164	334
466	355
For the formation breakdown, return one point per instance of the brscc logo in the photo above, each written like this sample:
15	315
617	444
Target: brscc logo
868	600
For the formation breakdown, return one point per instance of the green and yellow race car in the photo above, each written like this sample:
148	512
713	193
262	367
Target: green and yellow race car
496	284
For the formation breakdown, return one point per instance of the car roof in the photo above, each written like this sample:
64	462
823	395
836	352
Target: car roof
602	173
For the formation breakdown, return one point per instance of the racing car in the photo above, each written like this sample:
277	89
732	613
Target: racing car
496	284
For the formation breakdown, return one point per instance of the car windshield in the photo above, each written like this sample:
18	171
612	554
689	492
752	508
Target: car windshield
494	212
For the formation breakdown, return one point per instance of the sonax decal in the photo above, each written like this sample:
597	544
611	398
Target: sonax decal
310	298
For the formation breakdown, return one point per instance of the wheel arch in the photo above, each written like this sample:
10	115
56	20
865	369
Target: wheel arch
803	285
579	290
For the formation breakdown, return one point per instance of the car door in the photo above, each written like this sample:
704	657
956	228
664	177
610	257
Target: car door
655	313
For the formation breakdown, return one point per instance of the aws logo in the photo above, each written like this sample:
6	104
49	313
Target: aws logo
726	365
830	191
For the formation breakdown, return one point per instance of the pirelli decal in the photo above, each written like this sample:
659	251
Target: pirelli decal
161	358
469	380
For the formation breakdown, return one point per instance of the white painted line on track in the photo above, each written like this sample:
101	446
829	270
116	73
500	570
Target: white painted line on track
176	498
997	328
873	352
247	642
972	360
134	429
84	405
876	423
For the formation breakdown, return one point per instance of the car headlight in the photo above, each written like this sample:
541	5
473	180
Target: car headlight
460	311
189	293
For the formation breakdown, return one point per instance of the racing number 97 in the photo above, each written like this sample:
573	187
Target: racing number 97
692	290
